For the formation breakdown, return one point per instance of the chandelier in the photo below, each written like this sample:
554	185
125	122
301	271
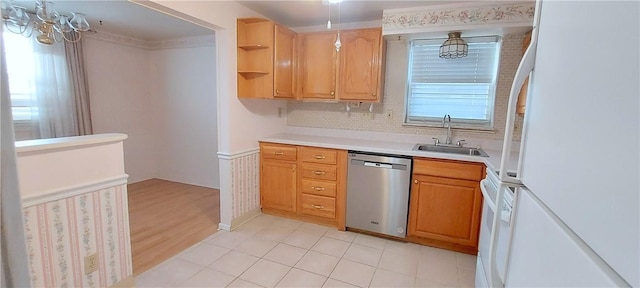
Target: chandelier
454	47
50	25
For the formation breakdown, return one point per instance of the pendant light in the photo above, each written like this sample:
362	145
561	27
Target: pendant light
454	47
329	21
338	44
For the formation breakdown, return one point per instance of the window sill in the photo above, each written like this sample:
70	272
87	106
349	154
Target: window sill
458	127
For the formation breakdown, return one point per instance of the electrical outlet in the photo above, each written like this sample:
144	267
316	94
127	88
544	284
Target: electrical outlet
516	127
389	115
90	263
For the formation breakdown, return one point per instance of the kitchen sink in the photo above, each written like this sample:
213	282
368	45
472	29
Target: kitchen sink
450	149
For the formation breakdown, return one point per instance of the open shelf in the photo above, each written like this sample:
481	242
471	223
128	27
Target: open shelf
252	74
253	47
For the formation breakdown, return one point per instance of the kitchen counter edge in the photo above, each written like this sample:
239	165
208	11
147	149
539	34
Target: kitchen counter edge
382	147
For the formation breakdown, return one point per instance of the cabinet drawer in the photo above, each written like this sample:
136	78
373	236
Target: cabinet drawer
317	187
319	206
448	169
319	155
275	151
319	171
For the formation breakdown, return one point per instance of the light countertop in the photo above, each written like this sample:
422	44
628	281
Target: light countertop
384	147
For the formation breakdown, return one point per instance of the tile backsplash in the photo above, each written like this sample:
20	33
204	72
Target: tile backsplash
335	116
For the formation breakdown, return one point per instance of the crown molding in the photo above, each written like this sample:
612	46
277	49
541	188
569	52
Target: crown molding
186	42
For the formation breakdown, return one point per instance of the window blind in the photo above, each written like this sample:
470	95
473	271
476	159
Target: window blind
463	87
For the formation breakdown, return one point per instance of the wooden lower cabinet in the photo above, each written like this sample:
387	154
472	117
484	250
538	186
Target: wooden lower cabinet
278	185
315	205
309	185
444	211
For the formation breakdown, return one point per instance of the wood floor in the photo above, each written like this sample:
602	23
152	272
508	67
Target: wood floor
167	217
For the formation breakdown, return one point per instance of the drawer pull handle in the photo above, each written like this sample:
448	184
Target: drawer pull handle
318	206
319	157
278	153
318	188
319	172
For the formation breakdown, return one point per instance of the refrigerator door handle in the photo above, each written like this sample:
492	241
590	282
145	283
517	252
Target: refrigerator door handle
524	69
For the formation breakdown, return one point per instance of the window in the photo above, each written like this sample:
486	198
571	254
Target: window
463	88
21	68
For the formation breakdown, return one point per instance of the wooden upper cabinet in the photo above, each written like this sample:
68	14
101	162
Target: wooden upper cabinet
266	55
276	63
317	65
284	68
522	96
361	65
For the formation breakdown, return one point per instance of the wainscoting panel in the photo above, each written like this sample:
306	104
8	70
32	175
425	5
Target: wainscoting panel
245	183
61	233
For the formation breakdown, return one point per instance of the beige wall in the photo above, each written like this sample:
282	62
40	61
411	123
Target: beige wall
121	100
334	115
163	96
186	142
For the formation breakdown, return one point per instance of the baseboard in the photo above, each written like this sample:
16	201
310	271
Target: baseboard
224	227
246	217
128	282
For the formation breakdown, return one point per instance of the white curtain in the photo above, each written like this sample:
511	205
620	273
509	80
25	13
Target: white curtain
56	113
13	251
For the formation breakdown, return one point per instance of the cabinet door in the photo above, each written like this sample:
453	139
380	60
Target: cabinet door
283	63
317	71
445	209
278	185
360	65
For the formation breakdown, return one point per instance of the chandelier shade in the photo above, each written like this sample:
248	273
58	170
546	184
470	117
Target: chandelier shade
454	47
50	25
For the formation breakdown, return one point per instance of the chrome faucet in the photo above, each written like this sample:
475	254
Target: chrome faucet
447	119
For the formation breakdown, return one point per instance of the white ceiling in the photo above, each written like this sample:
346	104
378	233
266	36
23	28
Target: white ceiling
314	12
127	18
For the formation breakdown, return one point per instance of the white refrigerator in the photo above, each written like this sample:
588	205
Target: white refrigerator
576	221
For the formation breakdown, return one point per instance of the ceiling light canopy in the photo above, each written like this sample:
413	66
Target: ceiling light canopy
454	47
51	25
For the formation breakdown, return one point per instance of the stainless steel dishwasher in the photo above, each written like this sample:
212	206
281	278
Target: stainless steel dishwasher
378	193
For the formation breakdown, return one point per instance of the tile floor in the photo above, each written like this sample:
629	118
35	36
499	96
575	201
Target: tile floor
270	251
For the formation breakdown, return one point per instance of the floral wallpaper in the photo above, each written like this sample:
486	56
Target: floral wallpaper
500	13
245	184
61	233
